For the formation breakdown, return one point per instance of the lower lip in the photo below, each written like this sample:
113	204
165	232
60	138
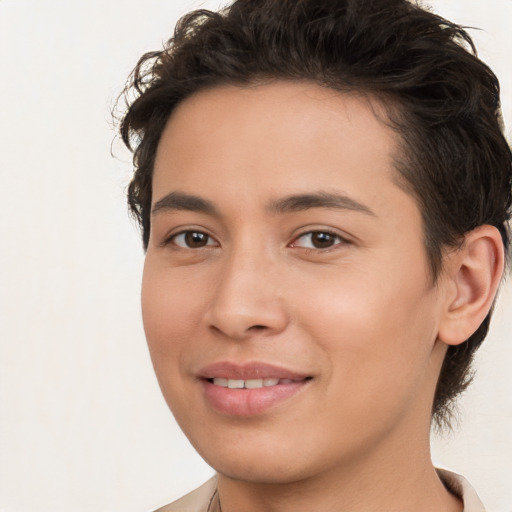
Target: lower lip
249	402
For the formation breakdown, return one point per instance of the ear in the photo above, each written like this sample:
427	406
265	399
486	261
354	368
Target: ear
473	274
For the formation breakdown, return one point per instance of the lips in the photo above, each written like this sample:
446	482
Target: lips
248	371
249	389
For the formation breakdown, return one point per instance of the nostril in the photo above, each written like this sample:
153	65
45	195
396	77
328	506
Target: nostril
258	327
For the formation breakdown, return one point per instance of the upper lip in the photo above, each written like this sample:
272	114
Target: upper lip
246	371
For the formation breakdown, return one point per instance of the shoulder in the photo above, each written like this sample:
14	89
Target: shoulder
459	486
196	501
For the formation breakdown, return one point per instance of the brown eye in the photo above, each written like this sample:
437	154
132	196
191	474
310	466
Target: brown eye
318	240
193	240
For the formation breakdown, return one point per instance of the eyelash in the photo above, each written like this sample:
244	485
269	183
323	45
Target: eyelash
338	240
172	239
335	237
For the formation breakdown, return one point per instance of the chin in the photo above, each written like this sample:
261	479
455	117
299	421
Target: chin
268	472
260	461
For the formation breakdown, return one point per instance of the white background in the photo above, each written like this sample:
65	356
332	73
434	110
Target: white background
82	424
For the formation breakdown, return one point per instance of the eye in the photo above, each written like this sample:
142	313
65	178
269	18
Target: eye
318	240
193	240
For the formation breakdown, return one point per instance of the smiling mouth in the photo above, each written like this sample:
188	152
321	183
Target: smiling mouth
251	397
250	389
252	383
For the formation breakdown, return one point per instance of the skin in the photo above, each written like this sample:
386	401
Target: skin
360	316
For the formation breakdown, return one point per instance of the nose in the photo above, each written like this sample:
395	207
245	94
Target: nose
248	298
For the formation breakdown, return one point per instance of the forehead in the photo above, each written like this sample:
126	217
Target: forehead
290	126
243	148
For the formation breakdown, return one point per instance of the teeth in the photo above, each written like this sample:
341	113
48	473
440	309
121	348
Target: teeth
250	383
235	384
253	383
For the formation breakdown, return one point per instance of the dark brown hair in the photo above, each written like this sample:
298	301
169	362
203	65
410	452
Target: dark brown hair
441	99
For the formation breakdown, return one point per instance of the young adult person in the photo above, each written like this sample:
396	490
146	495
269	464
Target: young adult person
324	191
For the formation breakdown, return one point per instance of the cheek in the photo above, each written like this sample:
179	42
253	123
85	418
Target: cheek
170	311
378	336
171	314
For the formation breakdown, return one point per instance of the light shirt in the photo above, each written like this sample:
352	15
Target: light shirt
205	498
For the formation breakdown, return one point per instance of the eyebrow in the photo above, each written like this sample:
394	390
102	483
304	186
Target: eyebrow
180	201
300	202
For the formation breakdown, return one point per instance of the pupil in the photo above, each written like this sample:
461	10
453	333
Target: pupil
322	240
195	239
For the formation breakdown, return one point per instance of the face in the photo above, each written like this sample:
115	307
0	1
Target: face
286	298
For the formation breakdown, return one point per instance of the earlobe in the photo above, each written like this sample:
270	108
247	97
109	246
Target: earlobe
474	273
